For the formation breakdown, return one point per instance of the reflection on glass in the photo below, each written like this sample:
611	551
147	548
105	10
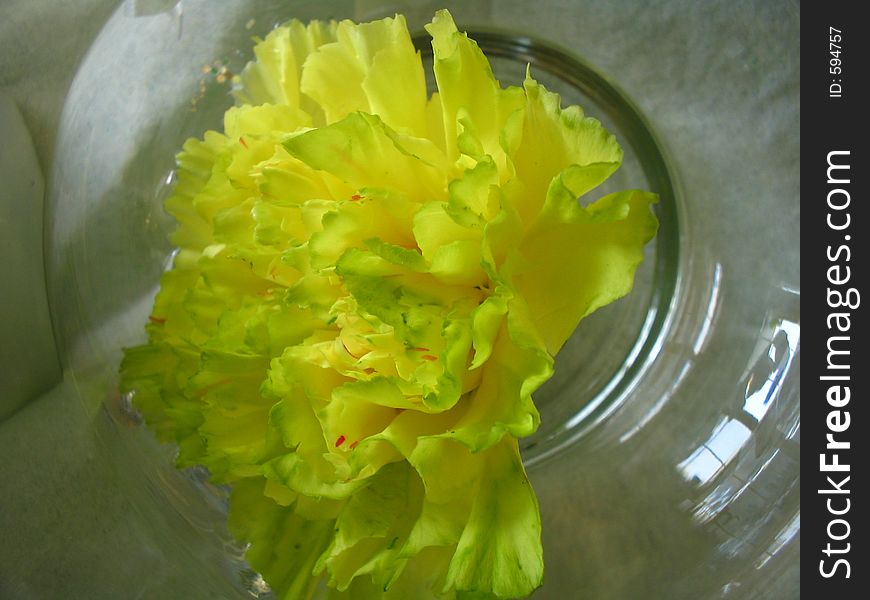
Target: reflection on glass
711	304
743	475
766	376
782	538
659	404
590	407
722	445
769	363
710	313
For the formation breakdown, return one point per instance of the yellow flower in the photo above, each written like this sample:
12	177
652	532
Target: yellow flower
371	284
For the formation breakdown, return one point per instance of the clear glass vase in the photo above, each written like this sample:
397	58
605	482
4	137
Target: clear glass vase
667	462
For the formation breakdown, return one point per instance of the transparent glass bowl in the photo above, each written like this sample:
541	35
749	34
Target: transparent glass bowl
667	461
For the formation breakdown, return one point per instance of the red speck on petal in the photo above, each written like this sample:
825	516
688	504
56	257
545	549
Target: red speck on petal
356	197
243	142
429	357
340	441
158	320
352	446
421	349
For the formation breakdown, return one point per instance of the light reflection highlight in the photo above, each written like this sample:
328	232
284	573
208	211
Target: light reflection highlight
782	538
722	445
618	377
767	374
710	313
659	404
768	367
